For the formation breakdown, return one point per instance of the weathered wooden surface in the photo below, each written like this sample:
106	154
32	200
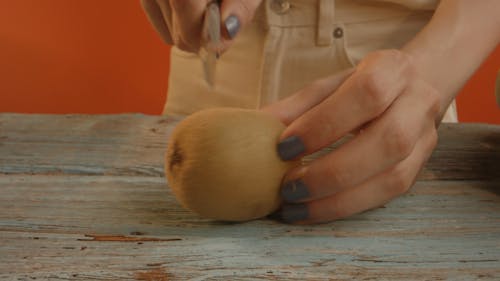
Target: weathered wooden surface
135	145
84	198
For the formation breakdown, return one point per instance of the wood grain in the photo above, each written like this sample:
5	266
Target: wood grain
84	198
112	227
83	144
135	145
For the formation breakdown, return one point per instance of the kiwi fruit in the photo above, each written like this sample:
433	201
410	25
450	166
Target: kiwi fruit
222	163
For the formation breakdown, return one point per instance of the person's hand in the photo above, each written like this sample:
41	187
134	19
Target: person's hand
394	116
179	22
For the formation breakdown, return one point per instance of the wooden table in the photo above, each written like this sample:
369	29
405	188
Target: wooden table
85	198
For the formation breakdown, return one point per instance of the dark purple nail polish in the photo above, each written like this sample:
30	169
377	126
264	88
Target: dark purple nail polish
294	191
294	213
290	148
232	24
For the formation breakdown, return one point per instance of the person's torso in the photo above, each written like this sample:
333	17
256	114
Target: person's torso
291	43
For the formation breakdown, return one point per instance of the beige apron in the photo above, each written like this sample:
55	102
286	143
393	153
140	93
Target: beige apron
291	43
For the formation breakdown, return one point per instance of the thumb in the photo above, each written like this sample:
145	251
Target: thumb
292	107
236	14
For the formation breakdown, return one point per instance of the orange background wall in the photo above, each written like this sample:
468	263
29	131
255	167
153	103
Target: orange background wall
94	56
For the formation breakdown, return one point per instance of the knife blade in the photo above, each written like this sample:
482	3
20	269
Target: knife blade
211	38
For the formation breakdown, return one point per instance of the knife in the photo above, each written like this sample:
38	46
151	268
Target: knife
211	38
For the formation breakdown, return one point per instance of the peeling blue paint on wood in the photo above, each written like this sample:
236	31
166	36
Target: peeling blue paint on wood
84	198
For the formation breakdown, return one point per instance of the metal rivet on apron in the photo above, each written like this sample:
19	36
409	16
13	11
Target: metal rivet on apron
338	32
280	6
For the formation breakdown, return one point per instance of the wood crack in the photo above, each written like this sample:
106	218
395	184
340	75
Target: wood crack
123	238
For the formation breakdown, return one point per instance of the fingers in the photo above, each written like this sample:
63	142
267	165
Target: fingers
371	194
366	94
235	14
187	22
289	109
387	141
157	20
180	22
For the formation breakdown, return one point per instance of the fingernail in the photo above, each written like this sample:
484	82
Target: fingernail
294	213
294	191
290	148
275	215
232	24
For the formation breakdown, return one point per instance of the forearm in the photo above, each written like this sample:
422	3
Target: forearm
452	46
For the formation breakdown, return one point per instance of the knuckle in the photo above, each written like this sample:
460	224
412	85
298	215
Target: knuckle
190	40
400	61
338	177
399	182
245	9
374	91
180	4
405	63
394	55
183	45
399	142
314	87
376	55
397	57
178	42
328	210
434	103
433	139
305	94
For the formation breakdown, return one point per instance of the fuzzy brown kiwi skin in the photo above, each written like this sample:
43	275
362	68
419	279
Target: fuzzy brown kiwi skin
175	157
180	174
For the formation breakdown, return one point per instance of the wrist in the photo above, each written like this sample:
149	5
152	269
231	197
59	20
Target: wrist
424	70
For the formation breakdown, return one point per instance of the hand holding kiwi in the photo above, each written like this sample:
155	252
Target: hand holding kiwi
222	163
